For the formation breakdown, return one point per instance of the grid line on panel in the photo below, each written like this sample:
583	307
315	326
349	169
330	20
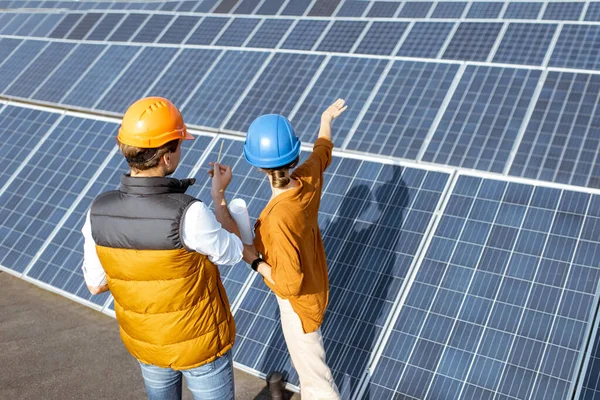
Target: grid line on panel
128	27
8	47
105	27
181	27
246	7
47	25
483	118
86	24
270	7
525	43
65	26
32	23
152	29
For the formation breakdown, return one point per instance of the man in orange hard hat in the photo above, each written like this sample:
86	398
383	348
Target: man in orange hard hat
156	249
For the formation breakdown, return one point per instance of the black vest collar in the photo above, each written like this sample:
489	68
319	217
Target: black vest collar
154	185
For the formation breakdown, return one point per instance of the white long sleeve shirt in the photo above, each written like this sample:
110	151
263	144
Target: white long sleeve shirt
200	231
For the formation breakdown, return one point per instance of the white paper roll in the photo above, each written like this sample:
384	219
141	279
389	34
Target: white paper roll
239	213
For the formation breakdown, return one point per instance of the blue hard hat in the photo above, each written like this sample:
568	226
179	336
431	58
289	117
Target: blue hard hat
271	142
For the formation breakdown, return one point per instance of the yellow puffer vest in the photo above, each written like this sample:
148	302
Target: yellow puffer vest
170	303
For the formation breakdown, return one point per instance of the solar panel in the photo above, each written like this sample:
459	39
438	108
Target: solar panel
296	7
480	126
564	11
402	112
277	89
354	85
32	77
47	25
485	10
520	10
270	7
500	303
19	60
25	28
323	8
382	37
205	6
449	9
383	9
175	83
61	80
88	90
352	8
15	23
21	130
426	39
270	33
105	26
208	29
217	94
169	6
415	9
593	12
367	210
304	34
225	6
137	79
560	143
128	27
153	28
186	6
179	29
473	41
43	192
246	6
341	36
7	46
576	47
525	43
65	26
83	27
237	32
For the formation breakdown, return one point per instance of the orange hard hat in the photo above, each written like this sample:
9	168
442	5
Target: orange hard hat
152	122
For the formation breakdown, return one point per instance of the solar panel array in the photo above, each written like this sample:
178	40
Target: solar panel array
461	214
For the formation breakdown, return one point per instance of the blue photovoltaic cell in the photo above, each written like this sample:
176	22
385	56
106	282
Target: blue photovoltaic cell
136	80
577	47
590	383
211	102
373	218
593	11
561	142
119	6
479	127
500	305
352	8
128	27
415	9
383	9
179	30
485	10
403	110
246	7
65	26
525	43
225	6
175	84
296	7
186	6
519	10
354	85
153	28
449	9
5	19
270	33
147	6
15	23
7	46
38	71
270	7
425	39
563	11
87	92
304	35
47	25
21	129
208	29
105	26
323	8
42	193
30	25
169	6
237	32
277	90
341	36
59	83
205	6
18	61
381	38
83	27
473	41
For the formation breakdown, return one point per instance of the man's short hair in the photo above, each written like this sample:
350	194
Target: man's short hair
141	159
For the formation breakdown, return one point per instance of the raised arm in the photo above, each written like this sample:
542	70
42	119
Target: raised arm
332	112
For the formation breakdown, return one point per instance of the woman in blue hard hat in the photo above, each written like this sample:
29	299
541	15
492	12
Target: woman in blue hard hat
288	237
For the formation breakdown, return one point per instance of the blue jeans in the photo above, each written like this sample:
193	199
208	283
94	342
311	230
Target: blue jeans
209	381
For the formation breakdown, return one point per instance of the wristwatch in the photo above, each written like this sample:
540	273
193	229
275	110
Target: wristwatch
255	263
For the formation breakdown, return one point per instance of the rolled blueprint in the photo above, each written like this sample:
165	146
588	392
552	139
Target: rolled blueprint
239	213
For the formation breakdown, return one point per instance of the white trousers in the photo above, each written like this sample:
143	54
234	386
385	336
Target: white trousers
308	356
